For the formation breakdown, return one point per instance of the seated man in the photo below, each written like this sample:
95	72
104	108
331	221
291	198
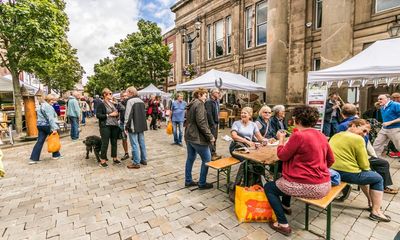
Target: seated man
351	162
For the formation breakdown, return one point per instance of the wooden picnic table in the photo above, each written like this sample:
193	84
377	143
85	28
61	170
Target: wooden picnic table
264	155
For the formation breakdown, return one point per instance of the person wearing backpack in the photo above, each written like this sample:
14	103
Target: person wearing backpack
46	124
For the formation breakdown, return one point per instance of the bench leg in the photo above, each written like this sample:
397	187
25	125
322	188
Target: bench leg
218	172
245	173
276	166
228	179
328	221
306	216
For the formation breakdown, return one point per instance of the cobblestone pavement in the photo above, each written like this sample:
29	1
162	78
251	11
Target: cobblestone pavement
72	198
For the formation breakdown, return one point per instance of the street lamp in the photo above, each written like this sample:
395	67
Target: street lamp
394	27
186	38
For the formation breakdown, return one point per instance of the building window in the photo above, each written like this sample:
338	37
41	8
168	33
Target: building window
261	77
261	22
209	42
249	29
190	51
383	5
249	75
318	14
171	47
228	31
219	38
171	77
316	64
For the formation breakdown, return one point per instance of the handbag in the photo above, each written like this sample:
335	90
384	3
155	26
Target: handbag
169	128
251	205
53	143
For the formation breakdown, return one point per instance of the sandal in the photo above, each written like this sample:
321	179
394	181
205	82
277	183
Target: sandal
390	190
378	218
283	230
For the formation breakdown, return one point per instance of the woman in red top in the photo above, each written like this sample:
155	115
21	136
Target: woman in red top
305	158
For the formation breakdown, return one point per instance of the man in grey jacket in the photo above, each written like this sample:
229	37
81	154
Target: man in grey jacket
73	114
135	125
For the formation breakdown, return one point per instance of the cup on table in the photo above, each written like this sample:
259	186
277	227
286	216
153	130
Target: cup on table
257	145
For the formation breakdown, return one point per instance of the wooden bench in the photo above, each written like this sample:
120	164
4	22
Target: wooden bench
223	166
324	203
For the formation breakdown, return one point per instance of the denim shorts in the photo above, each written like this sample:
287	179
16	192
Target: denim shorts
371	178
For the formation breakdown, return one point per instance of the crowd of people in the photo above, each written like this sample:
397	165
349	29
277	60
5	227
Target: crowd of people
308	160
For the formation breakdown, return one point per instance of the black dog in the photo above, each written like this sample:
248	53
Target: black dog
93	143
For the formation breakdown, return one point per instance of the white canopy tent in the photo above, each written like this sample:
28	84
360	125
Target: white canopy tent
228	81
6	84
151	89
378	64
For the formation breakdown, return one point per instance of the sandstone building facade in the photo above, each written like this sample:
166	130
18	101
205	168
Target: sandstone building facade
276	42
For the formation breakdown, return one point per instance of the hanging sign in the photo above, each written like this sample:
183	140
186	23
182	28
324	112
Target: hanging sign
316	97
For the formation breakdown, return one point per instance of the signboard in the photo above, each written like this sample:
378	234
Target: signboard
316	97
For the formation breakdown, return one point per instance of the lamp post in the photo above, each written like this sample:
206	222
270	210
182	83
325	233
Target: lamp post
187	38
394	27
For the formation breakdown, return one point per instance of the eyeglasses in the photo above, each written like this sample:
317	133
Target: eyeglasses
108	93
268	112
380	98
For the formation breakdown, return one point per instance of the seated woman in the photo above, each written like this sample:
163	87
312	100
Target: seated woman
353	166
278	120
306	158
263	122
244	130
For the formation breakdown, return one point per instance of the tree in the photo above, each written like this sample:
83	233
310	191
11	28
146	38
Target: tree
142	58
105	76
29	32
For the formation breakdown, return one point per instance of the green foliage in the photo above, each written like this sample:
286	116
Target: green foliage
139	59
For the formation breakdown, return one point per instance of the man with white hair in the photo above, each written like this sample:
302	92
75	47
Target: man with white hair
73	114
391	124
212	108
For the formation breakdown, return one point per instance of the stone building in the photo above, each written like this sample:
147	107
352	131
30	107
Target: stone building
276	42
169	40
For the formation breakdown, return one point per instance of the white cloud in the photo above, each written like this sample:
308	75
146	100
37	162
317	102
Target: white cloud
95	25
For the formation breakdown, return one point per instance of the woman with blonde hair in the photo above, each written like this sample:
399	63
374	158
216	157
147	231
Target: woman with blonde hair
263	122
198	137
46	124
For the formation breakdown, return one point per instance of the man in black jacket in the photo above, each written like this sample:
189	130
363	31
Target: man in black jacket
135	125
212	108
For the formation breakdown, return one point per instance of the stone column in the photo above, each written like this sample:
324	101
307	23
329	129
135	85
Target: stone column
277	51
337	34
179	58
236	41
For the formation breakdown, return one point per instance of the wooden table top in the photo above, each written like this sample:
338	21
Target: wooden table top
264	155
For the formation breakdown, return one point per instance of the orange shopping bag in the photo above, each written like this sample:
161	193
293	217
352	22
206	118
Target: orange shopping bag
251	205
53	143
169	128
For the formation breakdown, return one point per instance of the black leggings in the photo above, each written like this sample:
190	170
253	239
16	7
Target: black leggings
109	134
153	123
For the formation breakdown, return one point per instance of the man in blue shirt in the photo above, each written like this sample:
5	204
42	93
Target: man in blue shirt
74	113
391	124
178	108
349	112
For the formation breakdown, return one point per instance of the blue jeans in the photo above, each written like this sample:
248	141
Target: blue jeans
205	154
177	126
44	131
330	128
138	144
371	178
273	194
74	121
83	117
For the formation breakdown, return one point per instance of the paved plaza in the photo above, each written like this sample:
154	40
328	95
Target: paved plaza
73	198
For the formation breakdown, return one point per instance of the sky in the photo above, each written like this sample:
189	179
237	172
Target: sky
95	25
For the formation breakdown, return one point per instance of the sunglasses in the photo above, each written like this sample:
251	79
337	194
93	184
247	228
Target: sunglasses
108	93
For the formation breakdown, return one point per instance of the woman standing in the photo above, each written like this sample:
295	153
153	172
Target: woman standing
263	122
46	124
305	158
153	111
107	114
198	138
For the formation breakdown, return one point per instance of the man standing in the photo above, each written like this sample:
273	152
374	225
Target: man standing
178	108
96	103
332	113
121	110
391	124
73	114
212	108
392	151
135	125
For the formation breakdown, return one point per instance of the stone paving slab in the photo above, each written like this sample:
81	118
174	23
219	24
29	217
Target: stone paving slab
72	198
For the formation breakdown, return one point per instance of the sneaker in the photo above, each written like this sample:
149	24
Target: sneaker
180	144
206	186
346	193
133	166
103	165
56	158
31	162
191	184
126	156
394	154
117	162
143	162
